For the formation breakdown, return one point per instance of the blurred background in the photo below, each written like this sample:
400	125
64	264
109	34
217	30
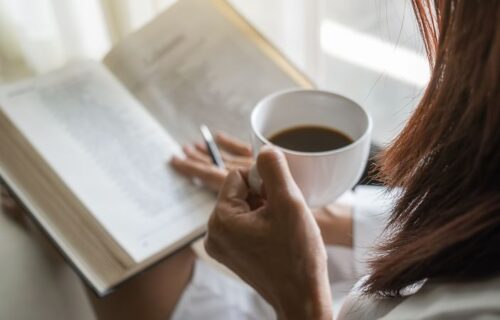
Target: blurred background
369	51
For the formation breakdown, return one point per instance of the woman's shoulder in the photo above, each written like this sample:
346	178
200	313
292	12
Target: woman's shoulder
434	300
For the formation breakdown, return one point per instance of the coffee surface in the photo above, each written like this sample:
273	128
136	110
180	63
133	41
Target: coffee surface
310	139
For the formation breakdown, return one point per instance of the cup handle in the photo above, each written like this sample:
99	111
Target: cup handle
254	179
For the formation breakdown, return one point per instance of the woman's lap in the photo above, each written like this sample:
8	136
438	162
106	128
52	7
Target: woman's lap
212	294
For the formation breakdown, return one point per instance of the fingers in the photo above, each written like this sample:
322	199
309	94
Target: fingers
211	176
198	163
276	177
234	187
232	161
237	161
231	205
233	145
232	214
196	154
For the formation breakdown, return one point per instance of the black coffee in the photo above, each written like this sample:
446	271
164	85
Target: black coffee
310	139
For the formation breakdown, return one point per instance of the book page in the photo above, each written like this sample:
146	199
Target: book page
111	153
193	65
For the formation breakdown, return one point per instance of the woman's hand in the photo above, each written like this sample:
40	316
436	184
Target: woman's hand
197	164
273	243
335	221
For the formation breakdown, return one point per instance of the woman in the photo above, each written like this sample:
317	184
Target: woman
443	237
441	252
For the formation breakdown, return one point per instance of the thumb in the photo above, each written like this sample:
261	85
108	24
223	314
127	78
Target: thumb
276	177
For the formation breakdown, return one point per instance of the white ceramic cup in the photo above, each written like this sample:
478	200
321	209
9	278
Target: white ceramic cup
321	176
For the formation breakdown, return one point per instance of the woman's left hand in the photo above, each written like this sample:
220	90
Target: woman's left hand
197	164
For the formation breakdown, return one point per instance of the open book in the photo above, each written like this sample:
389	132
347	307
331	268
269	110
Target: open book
86	148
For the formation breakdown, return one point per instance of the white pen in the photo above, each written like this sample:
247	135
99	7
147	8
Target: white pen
212	148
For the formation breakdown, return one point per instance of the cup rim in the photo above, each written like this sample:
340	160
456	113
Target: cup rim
352	145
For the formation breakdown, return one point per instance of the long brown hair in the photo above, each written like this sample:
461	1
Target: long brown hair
446	161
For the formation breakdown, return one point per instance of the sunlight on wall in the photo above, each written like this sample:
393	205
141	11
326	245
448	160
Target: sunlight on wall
372	53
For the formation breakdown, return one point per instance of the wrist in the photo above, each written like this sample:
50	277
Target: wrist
307	308
305	303
336	224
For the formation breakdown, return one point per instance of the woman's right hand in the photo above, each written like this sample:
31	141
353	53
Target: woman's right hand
335	221
272	242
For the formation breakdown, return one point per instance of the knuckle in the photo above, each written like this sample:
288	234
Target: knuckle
206	174
217	233
294	203
215	224
209	246
212	246
212	223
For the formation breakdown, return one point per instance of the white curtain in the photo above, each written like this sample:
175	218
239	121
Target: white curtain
39	35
